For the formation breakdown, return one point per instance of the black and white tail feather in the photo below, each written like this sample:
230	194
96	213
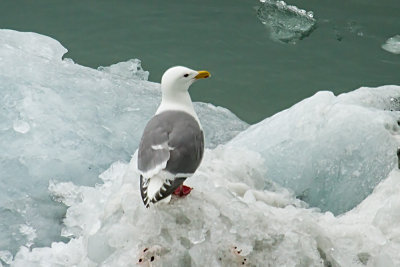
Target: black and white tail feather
165	190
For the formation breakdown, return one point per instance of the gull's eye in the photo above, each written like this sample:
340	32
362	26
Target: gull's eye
186	75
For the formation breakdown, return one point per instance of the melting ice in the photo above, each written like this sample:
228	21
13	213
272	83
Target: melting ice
63	124
286	23
332	151
392	45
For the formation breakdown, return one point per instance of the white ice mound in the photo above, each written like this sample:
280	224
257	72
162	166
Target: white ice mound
286	23
330	150
12	42
225	221
392	45
66	122
63	121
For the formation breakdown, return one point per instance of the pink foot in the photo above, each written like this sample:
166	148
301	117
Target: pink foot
182	190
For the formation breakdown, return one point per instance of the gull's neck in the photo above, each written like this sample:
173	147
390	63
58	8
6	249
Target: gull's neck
177	101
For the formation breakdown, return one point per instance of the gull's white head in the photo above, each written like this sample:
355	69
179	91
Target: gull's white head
174	86
178	79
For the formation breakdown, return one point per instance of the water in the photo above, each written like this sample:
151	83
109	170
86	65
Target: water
253	75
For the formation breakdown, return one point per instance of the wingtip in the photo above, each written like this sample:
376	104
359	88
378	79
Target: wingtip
146	202
143	193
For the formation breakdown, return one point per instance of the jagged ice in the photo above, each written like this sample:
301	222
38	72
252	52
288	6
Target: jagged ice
66	123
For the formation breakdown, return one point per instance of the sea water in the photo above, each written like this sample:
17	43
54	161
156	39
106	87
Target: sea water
254	75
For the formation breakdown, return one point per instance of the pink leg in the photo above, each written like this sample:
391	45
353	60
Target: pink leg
182	190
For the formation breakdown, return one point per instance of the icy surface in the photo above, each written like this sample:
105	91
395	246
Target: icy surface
62	124
225	221
330	150
66	122
21	126
286	23
392	45
6	257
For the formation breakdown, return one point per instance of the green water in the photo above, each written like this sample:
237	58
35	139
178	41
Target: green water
253	75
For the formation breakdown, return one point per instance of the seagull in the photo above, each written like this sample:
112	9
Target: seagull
172	144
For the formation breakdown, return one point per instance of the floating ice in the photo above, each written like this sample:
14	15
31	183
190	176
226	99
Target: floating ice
240	211
330	150
392	45
287	23
66	122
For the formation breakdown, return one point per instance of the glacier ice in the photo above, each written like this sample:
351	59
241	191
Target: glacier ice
392	44
66	122
6	257
286	23
330	150
63	124
223	222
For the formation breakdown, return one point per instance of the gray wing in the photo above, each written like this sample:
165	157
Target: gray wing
171	141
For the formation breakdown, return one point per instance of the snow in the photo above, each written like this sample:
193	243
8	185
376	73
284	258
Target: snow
392	45
245	208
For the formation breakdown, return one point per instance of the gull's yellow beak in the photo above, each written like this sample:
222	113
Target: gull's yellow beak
202	74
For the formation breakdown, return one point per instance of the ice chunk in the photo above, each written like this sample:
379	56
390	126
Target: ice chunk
392	45
217	222
330	150
287	23
131	69
81	119
6	257
66	122
169	235
29	232
32	44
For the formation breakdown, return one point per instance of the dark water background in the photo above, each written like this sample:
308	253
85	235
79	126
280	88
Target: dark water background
253	75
